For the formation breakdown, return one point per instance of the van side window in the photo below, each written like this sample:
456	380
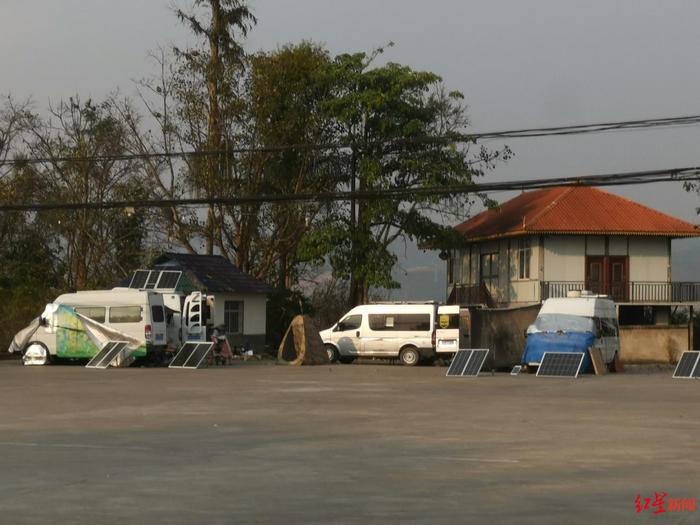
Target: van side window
352	322
96	313
125	314
157	314
609	328
399	322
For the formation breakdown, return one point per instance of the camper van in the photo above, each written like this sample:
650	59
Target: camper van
403	330
137	314
574	324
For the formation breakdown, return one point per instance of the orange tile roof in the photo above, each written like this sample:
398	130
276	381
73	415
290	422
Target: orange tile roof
576	210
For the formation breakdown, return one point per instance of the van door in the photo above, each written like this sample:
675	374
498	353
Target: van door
194	324
380	337
159	326
346	335
447	332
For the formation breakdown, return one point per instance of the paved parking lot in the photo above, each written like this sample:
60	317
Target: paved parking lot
343	444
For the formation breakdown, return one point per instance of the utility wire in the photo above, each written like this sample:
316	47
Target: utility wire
613	179
452	138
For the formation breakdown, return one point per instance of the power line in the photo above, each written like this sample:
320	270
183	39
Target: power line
612	179
453	138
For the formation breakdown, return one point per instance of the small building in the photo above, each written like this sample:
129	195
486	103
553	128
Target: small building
548	242
239	300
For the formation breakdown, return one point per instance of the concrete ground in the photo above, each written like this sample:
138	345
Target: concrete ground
341	444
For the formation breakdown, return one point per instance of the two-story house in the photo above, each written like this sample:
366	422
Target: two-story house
547	242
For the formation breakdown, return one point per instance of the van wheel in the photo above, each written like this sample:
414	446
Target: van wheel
409	356
333	354
36	354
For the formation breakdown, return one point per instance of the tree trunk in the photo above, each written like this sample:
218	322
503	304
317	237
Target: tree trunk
213	118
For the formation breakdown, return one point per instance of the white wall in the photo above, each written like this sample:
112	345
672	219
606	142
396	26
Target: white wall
254	311
649	259
564	258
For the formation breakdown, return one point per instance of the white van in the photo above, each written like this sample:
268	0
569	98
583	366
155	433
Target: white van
403	330
138	314
573	324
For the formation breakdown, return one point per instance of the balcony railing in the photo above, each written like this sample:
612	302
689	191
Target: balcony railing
630	292
471	294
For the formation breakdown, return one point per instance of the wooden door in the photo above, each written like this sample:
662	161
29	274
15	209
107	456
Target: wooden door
617	272
595	274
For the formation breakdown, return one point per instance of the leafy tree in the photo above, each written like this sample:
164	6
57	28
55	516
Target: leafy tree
395	121
80	141
29	269
224	55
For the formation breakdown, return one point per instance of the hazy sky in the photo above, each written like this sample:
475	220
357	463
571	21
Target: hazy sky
519	63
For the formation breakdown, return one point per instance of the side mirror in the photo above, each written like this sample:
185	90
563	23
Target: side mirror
43	321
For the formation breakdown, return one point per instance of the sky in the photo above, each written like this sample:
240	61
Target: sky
519	64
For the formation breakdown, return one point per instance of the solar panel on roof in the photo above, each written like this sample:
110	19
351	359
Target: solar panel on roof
191	355
687	366
152	280
459	362
475	363
139	279
560	364
113	352
168	280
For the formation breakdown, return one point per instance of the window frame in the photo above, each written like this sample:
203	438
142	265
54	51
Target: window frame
129	320
101	319
524	251
239	313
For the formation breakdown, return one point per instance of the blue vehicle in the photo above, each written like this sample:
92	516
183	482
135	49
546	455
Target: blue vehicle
574	324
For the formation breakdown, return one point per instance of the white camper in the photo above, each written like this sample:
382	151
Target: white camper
137	314
403	330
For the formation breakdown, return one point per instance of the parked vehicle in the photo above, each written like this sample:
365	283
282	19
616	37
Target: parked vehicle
403	330
136	314
453	329
574	324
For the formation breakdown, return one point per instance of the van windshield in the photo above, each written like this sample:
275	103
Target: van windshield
563	323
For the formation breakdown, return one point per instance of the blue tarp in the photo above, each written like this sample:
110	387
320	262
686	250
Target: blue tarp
541	342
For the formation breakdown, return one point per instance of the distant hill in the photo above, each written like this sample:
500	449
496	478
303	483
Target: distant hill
685	260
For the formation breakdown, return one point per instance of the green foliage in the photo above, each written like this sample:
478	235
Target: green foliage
395	121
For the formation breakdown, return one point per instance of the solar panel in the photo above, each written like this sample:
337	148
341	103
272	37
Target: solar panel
139	279
696	372
459	362
516	370
475	363
560	364
687	365
152	280
191	355
168	280
109	353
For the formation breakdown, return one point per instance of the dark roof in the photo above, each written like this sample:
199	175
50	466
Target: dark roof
212	273
573	210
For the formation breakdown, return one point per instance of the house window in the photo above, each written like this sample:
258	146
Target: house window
233	317
524	256
489	270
